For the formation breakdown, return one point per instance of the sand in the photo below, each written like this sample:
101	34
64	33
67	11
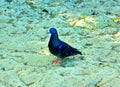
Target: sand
92	26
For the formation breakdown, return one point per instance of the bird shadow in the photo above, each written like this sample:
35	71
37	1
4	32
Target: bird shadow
71	62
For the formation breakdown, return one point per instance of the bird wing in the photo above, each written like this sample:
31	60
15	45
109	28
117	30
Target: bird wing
64	49
67	50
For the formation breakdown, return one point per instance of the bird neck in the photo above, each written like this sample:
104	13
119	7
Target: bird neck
54	39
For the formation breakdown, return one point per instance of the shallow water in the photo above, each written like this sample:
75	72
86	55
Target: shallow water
91	26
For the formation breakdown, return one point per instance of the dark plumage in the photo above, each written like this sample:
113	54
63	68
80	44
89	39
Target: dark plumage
60	48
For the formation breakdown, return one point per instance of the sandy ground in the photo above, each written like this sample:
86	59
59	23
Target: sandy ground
92	26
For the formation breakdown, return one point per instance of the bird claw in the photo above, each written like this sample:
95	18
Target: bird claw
55	60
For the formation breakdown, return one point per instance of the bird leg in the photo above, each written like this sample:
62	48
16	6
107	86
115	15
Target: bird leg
55	60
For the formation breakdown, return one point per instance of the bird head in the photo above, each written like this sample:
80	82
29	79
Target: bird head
52	31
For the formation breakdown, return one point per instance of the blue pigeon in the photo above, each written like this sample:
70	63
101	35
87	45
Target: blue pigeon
60	48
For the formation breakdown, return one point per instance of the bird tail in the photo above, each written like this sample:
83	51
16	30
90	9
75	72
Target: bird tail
75	52
80	52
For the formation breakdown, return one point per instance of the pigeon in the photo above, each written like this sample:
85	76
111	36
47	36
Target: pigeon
60	48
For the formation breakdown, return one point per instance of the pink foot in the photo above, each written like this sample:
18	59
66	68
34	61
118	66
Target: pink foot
55	60
61	62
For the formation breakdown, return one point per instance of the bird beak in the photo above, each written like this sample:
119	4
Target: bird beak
48	32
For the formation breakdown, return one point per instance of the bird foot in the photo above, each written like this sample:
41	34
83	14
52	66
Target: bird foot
61	62
55	60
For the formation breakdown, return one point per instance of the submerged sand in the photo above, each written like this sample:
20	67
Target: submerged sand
92	26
